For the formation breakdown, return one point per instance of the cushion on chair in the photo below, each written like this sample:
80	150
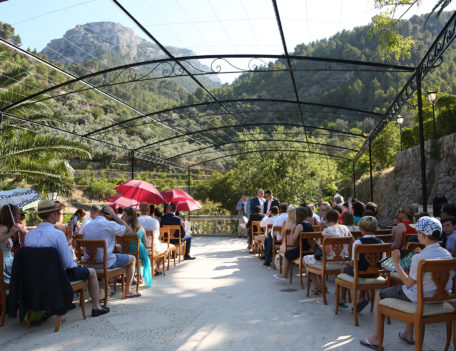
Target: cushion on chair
362	281
76	282
395	275
429	309
329	266
101	270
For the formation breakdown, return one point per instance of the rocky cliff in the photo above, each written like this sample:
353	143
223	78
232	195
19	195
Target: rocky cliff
401	185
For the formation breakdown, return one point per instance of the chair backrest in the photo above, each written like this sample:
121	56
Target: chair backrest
356	234
412	245
337	246
77	249
441	271
126	242
149	240
382	231
405	239
316	227
372	254
170	231
312	239
268	228
256	229
91	248
285	239
386	238
275	230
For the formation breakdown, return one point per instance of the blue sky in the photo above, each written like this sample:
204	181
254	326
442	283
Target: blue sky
205	26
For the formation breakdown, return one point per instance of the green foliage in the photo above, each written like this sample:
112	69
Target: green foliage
211	208
7	33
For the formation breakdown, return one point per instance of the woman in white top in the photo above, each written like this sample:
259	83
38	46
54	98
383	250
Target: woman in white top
333	230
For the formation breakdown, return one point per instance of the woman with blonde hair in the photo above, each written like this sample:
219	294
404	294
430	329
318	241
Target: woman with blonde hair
324	208
131	218
301	224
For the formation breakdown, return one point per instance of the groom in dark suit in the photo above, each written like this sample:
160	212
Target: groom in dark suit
257	201
270	202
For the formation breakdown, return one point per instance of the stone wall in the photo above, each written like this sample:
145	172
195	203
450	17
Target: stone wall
401	185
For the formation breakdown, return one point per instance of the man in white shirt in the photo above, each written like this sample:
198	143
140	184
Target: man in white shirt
45	235
106	227
147	222
95	211
269	220
429	231
316	218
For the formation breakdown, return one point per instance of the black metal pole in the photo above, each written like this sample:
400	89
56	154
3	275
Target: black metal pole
400	133
354	179
188	186
422	151
433	117
370	172
132	165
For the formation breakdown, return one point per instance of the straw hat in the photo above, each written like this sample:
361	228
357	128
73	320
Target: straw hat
46	206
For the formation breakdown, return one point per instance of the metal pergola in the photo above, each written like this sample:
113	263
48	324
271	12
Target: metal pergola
211	141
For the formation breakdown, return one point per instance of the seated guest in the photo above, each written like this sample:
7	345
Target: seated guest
357	211
281	219
20	235
95	211
7	230
46	235
338	209
429	231
256	216
324	208
449	230
349	221
316	218
339	201
270	202
131	218
170	218
73	223
414	238
345	207
158	214
301	225
269	220
448	210
106	227
288	224
367	226
152	224
120	211
371	206
405	215
333	230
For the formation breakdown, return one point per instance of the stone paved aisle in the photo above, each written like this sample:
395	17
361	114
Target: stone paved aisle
224	300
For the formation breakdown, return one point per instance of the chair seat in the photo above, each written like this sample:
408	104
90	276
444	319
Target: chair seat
362	281
395	275
77	282
329	266
260	237
429	309
101	270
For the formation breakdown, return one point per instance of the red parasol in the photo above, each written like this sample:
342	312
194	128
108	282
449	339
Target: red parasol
121	201
175	195
141	191
188	205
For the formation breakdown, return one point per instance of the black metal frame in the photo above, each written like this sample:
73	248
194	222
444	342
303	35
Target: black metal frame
173	67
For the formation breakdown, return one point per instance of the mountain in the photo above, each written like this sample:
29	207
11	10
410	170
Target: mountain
111	44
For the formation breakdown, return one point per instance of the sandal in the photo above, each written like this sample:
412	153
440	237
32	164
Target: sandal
132	296
403	338
366	343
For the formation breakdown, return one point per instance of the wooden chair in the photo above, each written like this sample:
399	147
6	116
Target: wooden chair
327	266
312	239
78	287
356	234
3	289
275	243
287	247
154	256
382	231
169	235
427	310
316	227
125	243
412	246
255	230
165	237
259	241
91	248
373	253
77	249
386	238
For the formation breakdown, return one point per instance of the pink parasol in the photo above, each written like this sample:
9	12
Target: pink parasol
188	205
175	195
141	191
121	201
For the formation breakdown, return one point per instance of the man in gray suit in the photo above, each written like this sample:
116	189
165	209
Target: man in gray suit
243	208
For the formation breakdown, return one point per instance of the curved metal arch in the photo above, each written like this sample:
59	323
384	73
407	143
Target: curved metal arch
208	103
271	150
247	125
264	140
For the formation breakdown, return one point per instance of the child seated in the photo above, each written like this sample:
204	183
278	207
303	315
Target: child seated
449	234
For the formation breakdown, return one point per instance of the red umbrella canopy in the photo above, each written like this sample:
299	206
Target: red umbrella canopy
188	205
121	201
174	195
140	191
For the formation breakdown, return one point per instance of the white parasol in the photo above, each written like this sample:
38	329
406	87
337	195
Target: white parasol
19	197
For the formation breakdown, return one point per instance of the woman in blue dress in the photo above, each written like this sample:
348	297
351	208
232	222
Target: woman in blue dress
129	215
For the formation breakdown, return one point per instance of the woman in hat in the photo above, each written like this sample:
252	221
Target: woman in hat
9	216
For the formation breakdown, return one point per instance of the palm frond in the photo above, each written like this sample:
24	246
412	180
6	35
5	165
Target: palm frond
13	76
